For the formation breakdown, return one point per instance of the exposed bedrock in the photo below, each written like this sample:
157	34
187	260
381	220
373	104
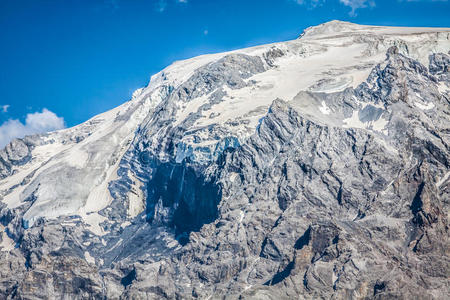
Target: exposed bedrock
334	190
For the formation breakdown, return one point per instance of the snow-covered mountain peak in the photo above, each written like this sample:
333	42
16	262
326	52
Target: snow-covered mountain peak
197	108
312	168
330	28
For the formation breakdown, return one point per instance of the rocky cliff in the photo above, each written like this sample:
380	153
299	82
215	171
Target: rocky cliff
313	168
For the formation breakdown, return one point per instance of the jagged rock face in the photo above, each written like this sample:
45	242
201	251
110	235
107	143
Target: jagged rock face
15	153
315	168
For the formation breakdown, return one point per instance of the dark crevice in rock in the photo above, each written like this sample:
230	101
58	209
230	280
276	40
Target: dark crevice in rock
339	195
263	246
415	248
282	275
335	240
127	280
378	287
303	240
189	198
417	203
305	280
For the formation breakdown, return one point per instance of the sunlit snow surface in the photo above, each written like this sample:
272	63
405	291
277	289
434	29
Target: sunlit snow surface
71	169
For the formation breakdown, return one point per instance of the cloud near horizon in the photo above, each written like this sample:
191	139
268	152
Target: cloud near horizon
354	4
38	122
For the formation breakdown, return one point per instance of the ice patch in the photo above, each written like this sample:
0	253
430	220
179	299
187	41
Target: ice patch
89	258
233	176
94	220
125	224
427	106
324	108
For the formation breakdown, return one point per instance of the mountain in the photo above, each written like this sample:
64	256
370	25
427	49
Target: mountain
312	168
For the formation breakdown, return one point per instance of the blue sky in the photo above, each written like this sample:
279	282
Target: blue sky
64	61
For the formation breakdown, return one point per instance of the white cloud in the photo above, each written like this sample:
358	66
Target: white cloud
38	122
4	108
182	1
205	32
355	4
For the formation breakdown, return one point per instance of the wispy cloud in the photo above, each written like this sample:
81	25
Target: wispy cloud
356	4
353	4
4	108
38	122
310	3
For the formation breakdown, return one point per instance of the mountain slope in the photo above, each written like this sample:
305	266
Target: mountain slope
312	168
